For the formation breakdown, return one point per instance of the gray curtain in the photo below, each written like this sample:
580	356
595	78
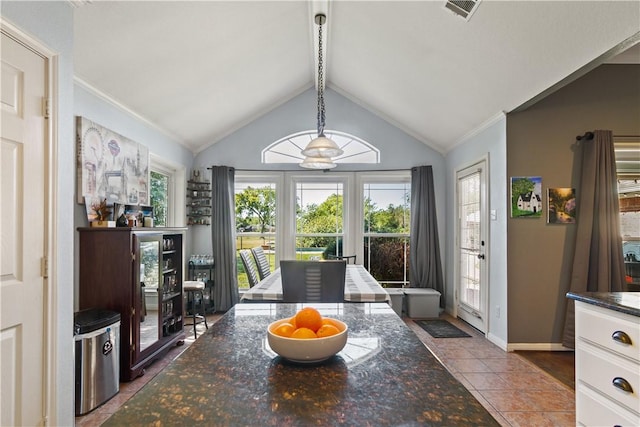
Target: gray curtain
598	263
425	267
223	237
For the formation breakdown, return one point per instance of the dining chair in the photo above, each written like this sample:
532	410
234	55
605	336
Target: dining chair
264	269
348	258
249	267
313	281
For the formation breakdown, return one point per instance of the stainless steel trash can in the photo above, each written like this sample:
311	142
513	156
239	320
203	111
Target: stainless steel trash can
97	357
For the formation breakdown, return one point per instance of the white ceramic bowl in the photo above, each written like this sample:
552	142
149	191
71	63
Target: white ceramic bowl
307	350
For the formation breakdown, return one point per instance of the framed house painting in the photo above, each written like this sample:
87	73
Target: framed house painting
526	197
562	205
110	166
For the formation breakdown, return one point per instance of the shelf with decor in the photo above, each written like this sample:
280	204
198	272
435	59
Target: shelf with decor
198	202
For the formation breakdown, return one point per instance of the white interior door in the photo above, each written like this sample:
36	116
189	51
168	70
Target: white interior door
471	245
22	235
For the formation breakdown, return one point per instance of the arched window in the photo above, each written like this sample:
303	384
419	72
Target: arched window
287	149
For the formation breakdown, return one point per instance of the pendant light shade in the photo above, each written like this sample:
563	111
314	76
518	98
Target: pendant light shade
320	151
322	147
318	163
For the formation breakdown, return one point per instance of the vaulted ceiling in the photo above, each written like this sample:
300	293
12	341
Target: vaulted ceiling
200	70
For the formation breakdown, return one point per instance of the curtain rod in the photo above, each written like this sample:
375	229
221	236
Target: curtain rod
589	135
323	170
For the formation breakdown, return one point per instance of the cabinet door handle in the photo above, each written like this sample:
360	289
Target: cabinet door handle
622	384
621	337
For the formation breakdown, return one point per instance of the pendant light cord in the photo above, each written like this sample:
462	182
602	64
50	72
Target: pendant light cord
321	112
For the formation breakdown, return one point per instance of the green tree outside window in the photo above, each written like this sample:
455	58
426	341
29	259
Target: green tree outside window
159	198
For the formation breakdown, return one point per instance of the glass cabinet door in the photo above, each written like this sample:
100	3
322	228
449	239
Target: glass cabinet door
149	303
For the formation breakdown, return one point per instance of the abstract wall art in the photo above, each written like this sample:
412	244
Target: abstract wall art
110	166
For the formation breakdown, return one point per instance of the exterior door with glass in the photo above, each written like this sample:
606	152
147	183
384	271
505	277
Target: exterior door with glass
472	245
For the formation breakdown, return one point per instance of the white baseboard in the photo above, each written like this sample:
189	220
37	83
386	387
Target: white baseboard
497	341
551	346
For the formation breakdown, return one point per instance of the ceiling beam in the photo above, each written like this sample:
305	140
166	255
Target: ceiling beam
315	7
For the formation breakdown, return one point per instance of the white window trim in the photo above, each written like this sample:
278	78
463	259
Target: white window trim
353	184
288	148
176	197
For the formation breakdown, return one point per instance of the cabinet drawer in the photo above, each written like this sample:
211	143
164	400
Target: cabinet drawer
595	410
599	325
598	369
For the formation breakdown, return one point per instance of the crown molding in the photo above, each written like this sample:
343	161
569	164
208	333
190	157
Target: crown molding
387	119
117	104
79	3
475	131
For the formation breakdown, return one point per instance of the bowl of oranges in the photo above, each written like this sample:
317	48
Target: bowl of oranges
307	337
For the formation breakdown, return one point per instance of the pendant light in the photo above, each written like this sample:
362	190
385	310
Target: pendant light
318	163
320	151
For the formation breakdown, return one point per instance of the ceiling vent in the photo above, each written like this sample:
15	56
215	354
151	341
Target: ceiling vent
462	8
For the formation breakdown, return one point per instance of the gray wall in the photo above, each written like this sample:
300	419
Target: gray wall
490	142
398	150
243	148
51	23
541	141
95	108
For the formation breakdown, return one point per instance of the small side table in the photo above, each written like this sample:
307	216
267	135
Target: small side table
191	290
204	273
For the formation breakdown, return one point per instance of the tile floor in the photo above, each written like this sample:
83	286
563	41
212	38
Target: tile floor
512	389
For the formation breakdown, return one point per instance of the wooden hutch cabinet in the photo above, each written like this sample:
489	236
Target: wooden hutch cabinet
137	272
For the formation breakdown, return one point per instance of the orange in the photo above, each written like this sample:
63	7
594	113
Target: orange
310	318
303	333
293	322
327	331
332	322
284	330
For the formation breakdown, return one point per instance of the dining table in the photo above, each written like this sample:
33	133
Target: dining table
359	286
384	376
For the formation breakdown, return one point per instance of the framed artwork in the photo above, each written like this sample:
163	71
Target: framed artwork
562	205
139	212
526	197
110	166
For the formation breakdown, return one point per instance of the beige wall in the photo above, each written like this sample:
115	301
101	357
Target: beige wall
541	141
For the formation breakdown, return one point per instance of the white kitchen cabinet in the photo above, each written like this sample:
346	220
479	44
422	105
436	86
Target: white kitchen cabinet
607	366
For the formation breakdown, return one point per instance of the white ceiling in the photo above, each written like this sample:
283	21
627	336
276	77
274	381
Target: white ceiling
201	70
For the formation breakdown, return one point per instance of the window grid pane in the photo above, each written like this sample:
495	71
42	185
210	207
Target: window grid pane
159	198
469	196
255	222
319	219
386	225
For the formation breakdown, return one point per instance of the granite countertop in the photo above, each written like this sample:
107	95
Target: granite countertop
230	376
624	302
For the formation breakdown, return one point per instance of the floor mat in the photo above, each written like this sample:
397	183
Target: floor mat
439	328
